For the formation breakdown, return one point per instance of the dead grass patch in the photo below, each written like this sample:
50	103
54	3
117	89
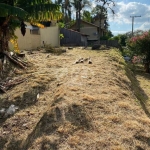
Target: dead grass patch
74	140
133	125
125	105
88	97
77	109
114	118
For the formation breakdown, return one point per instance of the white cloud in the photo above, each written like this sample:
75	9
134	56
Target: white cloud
145	26
124	11
122	22
118	32
93	4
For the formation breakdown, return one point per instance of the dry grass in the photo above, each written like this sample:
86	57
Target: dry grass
81	106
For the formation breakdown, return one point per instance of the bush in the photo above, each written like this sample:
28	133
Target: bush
141	46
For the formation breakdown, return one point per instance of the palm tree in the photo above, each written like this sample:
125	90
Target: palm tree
13	13
78	6
100	12
102	8
66	10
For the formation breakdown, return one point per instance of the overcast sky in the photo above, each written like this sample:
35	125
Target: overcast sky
122	22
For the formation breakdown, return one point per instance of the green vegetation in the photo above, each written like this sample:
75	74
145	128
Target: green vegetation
140	45
107	36
121	38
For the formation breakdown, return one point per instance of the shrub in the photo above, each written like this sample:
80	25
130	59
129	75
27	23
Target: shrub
141	46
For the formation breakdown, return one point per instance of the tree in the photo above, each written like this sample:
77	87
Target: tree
66	10
135	33
100	12
78	6
86	16
103	6
13	13
121	38
107	36
140	45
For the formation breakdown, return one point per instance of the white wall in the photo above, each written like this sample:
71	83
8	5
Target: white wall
29	41
50	35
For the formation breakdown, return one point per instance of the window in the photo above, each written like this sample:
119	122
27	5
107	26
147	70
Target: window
34	31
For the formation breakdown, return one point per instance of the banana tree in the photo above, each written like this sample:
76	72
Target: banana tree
13	14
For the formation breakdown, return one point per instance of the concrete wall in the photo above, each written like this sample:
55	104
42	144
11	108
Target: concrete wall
50	35
29	41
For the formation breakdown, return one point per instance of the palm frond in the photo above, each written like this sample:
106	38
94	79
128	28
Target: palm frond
45	16
41	7
6	10
31	2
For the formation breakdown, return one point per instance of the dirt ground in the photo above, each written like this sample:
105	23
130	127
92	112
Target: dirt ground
68	106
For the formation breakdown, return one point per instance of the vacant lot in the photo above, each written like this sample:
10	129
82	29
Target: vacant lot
69	106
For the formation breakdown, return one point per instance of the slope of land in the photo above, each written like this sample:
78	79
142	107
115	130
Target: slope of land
80	106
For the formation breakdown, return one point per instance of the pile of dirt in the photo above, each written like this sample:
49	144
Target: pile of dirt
80	106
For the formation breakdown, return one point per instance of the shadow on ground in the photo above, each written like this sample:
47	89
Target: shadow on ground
135	85
27	99
48	125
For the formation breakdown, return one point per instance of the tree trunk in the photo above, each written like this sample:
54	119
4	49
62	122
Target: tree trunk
99	34
146	67
3	43
77	20
4	35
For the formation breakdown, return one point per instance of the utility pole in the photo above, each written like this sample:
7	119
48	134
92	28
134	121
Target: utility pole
133	22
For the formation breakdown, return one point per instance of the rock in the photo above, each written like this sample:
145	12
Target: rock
96	46
47	56
70	48
89	61
63	50
2	112
127	58
11	110
38	96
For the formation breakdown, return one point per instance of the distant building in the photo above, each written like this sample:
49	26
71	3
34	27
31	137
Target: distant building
91	29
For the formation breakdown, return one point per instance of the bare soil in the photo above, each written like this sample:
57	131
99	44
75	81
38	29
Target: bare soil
68	106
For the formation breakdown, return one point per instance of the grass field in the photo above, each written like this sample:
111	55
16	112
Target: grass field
99	106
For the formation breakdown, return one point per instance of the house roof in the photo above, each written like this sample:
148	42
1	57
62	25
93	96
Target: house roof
78	32
32	27
87	23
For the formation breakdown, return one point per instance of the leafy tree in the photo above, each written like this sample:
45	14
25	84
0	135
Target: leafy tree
103	6
66	10
79	5
100	12
141	46
135	33
13	13
107	36
121	38
86	16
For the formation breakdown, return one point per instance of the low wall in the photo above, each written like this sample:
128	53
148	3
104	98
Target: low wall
50	36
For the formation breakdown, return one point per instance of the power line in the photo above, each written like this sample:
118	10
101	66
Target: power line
133	22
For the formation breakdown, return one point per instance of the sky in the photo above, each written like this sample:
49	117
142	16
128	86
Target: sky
122	22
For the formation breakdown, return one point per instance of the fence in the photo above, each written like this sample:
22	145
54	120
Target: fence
71	38
112	43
